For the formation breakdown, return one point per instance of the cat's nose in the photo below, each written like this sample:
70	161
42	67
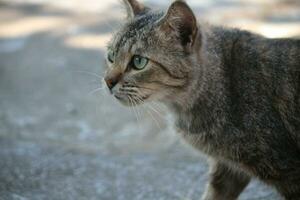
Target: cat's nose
112	81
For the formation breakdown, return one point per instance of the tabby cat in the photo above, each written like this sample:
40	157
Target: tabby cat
235	94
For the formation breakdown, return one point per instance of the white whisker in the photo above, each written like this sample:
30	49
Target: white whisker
139	98
155	110
89	73
154	119
96	90
132	106
135	104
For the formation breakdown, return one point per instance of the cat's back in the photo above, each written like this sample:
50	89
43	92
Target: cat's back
264	83
277	56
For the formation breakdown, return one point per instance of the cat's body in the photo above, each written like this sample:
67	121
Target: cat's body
248	116
236	95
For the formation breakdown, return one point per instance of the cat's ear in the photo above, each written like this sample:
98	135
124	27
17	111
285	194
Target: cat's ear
134	8
180	20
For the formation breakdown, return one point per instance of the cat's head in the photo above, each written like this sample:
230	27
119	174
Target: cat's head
150	57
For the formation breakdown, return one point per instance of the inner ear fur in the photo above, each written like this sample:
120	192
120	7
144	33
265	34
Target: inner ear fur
180	20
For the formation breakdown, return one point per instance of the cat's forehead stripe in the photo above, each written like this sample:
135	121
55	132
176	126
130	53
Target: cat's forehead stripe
136	28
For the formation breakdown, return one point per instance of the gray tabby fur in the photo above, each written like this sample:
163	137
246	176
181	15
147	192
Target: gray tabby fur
235	94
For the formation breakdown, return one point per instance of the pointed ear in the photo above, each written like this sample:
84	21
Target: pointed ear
180	20
134	8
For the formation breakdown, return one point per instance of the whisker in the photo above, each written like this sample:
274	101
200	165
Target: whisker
126	84
132	106
134	93
89	73
135	104
151	115
150	111
139	122
127	90
156	111
152	107
147	88
140	100
154	119
96	90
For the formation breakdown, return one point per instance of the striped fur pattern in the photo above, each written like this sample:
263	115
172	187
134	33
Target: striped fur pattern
235	94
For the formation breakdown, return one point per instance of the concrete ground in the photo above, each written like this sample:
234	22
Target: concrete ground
63	137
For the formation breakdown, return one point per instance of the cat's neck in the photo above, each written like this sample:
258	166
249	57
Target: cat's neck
204	100
206	85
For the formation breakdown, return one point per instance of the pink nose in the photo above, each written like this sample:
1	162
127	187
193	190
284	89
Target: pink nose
111	81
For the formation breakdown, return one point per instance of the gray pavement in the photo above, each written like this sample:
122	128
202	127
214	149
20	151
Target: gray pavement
62	137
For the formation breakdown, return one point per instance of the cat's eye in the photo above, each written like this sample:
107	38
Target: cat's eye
111	56
139	62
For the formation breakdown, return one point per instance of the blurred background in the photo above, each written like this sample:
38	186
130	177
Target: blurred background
63	137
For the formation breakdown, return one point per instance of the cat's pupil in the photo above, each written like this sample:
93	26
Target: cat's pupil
138	60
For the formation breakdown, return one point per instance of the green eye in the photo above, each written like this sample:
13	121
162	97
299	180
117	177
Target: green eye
139	62
111	56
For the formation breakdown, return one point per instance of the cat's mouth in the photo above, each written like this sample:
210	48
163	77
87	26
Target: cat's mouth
131	100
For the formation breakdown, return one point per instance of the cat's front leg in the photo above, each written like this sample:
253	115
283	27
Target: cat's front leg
225	183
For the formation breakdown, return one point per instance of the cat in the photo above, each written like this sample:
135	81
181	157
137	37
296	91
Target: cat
235	94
